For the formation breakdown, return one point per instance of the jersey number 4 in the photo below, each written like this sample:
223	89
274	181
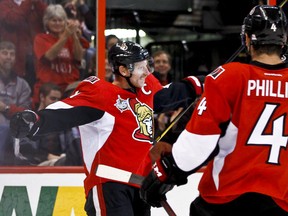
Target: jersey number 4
276	139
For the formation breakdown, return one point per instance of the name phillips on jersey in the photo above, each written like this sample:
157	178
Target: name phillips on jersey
267	88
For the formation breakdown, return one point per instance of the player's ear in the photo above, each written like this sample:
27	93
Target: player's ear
247	42
124	71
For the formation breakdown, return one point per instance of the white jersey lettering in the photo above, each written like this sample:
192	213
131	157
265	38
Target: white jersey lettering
268	88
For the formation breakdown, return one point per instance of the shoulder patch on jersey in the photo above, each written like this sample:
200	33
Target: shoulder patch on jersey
91	79
121	104
217	72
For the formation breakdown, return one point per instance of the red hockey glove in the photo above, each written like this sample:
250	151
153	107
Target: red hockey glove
22	122
197	83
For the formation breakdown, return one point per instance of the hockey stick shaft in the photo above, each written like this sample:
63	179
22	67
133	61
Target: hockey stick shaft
283	3
175	120
116	174
236	53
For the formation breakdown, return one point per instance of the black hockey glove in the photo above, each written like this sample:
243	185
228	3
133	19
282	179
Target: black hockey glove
160	180
22	122
153	188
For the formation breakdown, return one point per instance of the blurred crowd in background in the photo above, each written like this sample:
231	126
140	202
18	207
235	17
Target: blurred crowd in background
46	49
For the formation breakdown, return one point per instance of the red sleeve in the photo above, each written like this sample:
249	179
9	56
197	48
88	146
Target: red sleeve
220	90
41	45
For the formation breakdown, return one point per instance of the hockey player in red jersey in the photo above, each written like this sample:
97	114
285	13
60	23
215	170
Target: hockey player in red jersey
240	126
116	126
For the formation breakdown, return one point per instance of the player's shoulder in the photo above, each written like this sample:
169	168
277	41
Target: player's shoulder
92	89
229	70
91	80
94	82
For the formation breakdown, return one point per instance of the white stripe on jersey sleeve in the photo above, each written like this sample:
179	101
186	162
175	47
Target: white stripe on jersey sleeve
58	105
227	145
191	150
94	136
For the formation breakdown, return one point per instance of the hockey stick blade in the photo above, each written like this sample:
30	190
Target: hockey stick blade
116	174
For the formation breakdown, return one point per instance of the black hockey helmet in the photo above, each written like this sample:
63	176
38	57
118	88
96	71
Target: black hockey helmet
265	24
126	53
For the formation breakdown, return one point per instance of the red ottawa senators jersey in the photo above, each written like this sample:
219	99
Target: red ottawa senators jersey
243	115
121	137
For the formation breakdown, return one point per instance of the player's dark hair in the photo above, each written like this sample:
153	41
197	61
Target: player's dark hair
268	49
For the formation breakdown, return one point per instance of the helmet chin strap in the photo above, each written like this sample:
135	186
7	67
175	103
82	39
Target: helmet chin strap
133	88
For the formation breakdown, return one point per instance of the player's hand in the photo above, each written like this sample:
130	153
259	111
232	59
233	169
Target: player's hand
159	149
154	188
163	177
22	122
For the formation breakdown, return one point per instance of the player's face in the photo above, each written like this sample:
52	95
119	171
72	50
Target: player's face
139	74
